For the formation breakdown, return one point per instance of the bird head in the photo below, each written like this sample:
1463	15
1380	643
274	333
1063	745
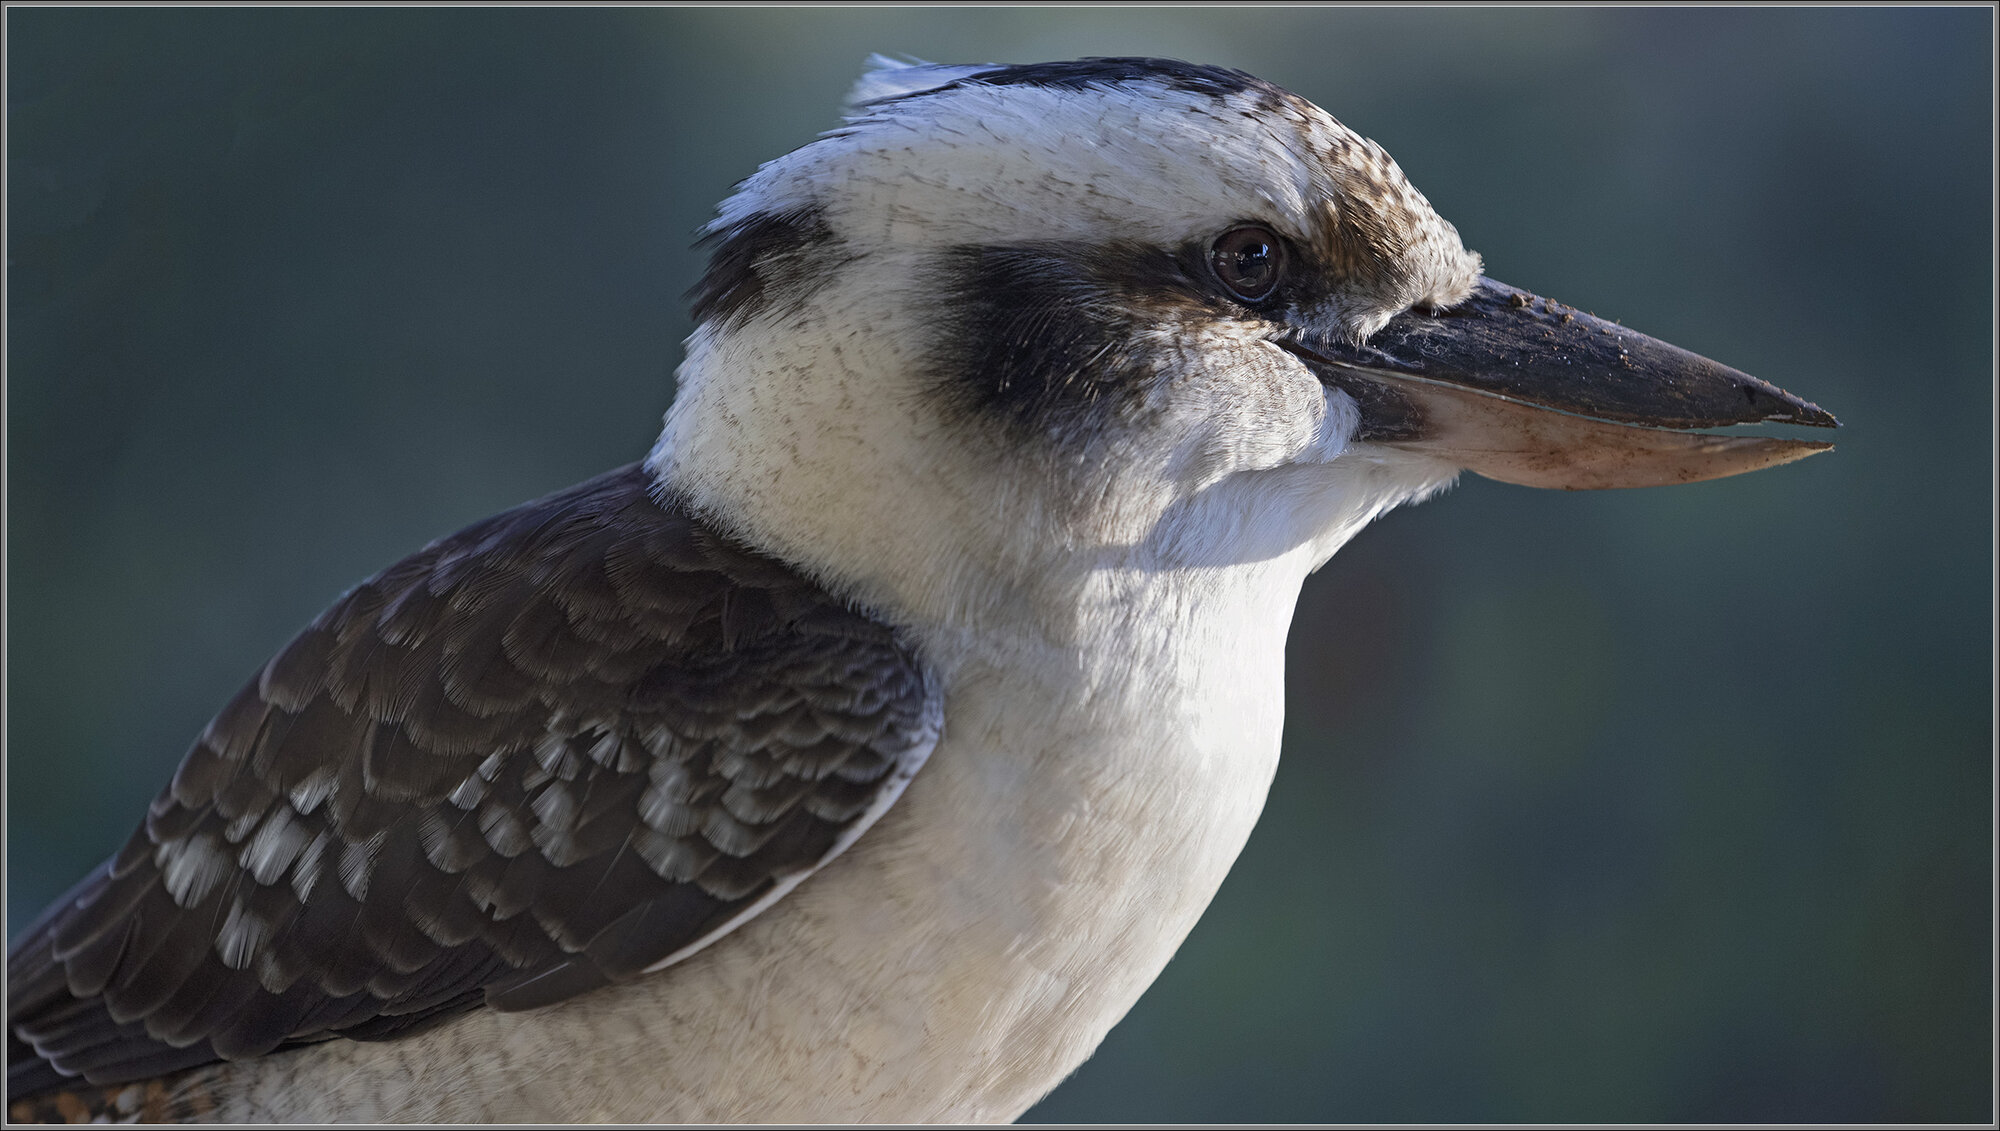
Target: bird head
1009	327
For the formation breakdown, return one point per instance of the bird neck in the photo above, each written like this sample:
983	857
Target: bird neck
818	444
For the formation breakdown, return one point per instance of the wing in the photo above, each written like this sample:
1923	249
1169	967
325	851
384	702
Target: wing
570	744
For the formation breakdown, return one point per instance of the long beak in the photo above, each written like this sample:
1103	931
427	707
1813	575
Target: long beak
1525	390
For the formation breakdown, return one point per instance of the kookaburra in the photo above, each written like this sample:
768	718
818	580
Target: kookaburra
864	751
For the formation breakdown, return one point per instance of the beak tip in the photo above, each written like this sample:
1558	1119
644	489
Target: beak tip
1792	410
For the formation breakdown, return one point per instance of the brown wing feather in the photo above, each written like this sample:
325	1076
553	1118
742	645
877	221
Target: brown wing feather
536	757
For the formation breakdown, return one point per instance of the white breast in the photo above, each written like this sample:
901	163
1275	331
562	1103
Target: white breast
968	952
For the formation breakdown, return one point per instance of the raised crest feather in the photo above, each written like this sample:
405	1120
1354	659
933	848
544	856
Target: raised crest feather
888	77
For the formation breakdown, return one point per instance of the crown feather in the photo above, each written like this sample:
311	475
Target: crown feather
889	77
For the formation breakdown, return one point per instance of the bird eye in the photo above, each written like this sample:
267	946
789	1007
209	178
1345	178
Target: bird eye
1249	260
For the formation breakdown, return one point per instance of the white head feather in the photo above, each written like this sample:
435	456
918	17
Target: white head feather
894	78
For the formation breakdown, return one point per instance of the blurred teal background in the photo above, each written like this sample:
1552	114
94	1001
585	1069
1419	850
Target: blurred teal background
1639	806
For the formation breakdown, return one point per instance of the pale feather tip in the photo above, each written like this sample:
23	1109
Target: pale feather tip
890	77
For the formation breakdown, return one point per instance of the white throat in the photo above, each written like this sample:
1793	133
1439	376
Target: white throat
820	445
